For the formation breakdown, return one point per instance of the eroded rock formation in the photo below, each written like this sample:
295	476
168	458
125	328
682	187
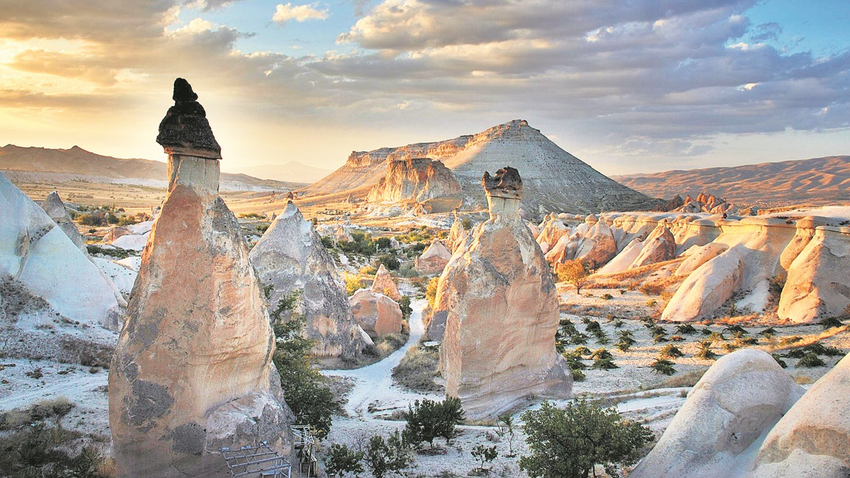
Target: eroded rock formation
433	259
414	179
384	284
291	259
55	208
741	396
377	314
502	312
193	368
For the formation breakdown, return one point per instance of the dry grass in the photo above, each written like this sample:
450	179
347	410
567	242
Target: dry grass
417	370
630	279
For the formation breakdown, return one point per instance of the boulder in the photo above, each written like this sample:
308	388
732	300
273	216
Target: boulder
724	418
291	259
433	259
816	286
813	438
498	348
384	284
377	314
55	208
193	368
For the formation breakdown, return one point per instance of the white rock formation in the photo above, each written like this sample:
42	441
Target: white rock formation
725	418
291	259
55	208
40	256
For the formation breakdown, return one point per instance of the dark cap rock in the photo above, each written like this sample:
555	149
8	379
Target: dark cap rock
505	183
185	129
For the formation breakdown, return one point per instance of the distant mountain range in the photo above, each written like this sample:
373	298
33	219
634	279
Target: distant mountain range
816	181
553	179
292	171
62	165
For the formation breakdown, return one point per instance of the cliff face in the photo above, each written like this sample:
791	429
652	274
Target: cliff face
553	179
416	179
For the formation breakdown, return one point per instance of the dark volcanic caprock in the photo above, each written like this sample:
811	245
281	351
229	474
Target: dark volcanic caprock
193	368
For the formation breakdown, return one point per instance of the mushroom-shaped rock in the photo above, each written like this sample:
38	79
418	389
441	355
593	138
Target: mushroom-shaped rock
501	312
193	368
384	284
291	259
813	438
734	404
377	314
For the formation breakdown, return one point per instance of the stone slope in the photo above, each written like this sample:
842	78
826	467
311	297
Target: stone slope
414	179
553	180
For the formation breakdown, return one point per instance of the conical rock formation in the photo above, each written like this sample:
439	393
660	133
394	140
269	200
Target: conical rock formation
384	284
291	259
433	259
414	179
502	312
193	368
33	249
55	208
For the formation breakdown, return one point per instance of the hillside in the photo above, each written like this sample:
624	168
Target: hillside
814	181
553	179
63	165
293	172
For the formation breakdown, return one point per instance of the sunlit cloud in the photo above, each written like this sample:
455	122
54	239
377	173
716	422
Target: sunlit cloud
298	13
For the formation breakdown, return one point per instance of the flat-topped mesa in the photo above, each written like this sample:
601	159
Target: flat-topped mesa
193	370
186	136
504	191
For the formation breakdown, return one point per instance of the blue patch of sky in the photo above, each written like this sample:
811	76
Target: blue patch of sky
254	17
795	26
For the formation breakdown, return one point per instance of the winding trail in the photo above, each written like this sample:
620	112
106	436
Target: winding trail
373	384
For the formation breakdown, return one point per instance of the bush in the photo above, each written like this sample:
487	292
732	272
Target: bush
568	443
705	352
811	360
663	366
353	283
39	450
391	454
427	420
830	322
484	454
342	459
578	375
505	429
404	305
95	219
390	261
607	296
431	291
417	370
779	360
604	364
671	351
686	329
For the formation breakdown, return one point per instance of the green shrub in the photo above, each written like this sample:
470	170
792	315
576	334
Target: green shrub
663	366
427	420
484	454
830	322
686	329
404	305
389	260
568	443
604	364
417	370
671	351
779	360
811	360
601	354
705	352
390	455
342	459
39	450
578	375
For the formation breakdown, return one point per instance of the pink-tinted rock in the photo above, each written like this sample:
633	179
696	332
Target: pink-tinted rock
377	314
416	179
502	311
384	284
433	259
192	371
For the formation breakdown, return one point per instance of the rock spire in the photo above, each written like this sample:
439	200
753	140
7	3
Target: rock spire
501	312
193	368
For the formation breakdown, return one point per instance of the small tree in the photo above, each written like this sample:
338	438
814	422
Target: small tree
506	430
342	459
404	305
484	454
427	420
573	272
387	455
568	443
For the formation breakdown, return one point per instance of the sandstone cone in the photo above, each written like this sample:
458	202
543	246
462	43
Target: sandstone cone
377	314
502	312
414	179
55	208
433	259
193	368
384	284
291	259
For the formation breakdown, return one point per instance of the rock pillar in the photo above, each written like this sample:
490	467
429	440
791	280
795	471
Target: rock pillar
193	368
499	342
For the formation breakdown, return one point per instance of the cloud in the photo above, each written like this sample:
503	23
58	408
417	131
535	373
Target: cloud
299	13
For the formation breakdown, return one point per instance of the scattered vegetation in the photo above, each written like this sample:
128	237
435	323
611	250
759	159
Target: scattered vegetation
663	366
705	352
387	455
484	454
431	291
686	329
342	460
505	430
830	322
671	351
811	360
418	368
570	442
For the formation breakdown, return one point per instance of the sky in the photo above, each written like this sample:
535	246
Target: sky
628	86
